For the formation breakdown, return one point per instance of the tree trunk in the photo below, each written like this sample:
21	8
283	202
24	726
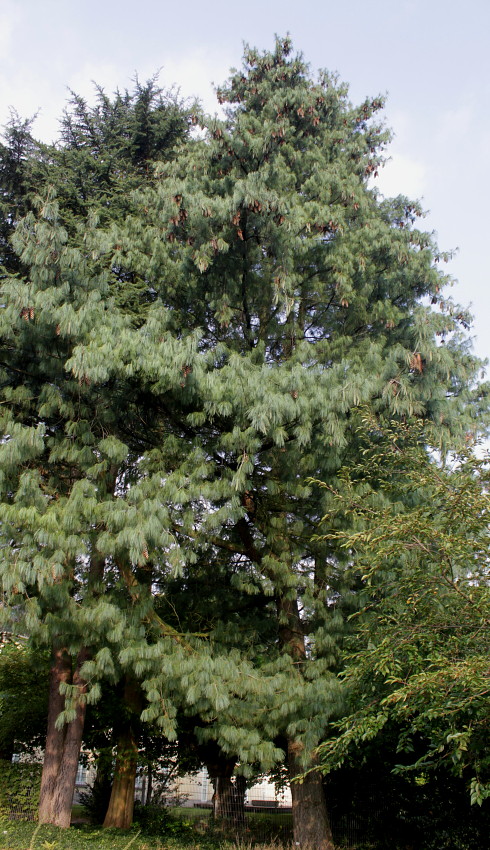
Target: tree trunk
53	754
311	826
102	786
229	800
62	745
149	787
121	805
220	769
240	789
222	797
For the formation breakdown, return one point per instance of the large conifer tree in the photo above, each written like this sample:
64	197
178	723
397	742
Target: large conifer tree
62	455
279	292
305	291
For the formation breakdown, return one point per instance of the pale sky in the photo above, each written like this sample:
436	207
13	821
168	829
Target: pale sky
431	57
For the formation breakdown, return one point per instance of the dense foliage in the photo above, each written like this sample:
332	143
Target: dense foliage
188	324
19	791
23	698
418	539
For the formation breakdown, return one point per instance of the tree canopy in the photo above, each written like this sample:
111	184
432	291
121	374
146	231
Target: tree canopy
189	325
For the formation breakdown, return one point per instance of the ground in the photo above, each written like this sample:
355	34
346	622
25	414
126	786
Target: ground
26	836
81	836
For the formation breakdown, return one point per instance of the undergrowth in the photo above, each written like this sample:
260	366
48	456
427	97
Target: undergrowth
29	836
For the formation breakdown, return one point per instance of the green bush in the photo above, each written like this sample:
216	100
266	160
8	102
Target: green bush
95	800
19	790
158	820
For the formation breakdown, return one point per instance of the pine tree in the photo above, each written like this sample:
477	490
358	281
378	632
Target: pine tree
305	292
19	167
63	458
171	378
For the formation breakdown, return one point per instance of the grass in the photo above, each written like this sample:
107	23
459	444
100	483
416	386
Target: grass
259	827
184	828
29	836
78	811
189	813
279	818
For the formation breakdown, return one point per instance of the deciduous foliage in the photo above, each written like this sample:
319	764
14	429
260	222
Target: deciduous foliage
23	698
419	547
19	791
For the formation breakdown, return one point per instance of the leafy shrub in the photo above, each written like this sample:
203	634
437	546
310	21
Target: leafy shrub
156	819
95	800
370	805
19	790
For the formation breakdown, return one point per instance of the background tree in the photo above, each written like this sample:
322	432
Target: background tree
53	424
23	698
375	801
19	157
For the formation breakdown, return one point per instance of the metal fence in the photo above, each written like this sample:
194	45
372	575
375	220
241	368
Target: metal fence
256	815
261	813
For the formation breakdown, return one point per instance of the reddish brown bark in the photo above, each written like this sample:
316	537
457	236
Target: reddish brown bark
121	805
311	826
62	745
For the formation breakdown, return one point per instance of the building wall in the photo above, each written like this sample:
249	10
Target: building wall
192	790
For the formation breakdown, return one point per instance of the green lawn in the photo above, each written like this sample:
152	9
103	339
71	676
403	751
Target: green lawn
190	813
185	829
259	826
28	836
78	811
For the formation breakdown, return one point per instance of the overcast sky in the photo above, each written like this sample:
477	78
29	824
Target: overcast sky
431	57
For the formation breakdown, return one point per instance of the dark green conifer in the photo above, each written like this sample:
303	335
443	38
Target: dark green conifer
63	455
19	154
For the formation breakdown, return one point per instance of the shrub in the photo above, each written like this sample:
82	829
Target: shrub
155	819
19	790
